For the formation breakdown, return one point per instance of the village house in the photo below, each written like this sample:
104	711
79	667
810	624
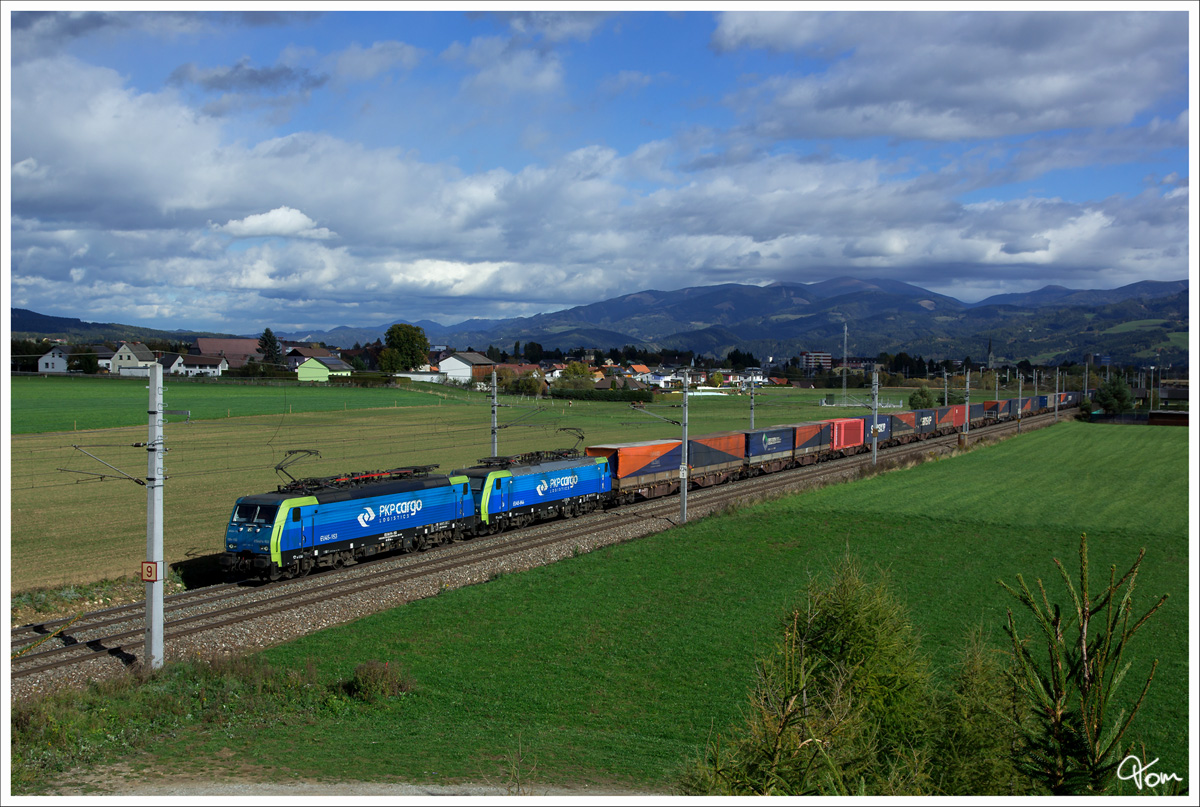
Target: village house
296	356
321	369
133	358
203	365
172	363
103	354
465	367
55	361
236	352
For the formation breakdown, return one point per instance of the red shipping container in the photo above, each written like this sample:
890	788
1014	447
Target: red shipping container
954	415
847	433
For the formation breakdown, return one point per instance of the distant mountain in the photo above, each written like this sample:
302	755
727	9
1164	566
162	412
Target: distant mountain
1136	322
346	336
30	324
1061	295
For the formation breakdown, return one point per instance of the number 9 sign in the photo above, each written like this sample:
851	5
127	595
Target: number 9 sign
150	573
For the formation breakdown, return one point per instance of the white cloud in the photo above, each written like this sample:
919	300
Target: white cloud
625	81
948	76
556	26
285	222
359	63
506	69
114	190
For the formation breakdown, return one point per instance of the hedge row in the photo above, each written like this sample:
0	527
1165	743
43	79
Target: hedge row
604	395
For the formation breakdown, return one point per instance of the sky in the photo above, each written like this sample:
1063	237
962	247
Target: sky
225	170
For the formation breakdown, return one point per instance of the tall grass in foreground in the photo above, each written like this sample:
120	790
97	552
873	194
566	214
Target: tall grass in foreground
616	667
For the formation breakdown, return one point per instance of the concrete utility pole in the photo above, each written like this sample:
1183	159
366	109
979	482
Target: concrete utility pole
874	417
1057	392
967	401
945	388
495	448
1020	387
751	403
154	567
845	359
683	462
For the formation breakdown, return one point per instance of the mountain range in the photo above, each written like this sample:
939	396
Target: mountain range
1146	320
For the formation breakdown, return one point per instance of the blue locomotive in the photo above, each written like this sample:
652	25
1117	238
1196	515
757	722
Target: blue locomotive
340	520
516	491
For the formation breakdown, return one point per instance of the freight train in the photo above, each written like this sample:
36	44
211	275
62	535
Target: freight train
336	521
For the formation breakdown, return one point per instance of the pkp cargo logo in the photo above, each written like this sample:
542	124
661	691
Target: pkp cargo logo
366	517
561	483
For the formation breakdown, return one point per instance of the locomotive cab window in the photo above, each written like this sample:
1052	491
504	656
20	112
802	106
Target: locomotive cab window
258	514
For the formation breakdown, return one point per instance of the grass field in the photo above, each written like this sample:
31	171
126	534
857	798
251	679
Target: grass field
1137	325
79	403
617	666
70	526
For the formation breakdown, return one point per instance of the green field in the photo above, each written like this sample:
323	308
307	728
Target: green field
614	668
79	403
1137	325
71	527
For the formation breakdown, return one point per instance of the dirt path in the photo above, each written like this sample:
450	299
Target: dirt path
123	781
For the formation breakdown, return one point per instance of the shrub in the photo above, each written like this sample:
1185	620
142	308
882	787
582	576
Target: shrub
840	707
629	395
921	399
376	680
1071	744
978	735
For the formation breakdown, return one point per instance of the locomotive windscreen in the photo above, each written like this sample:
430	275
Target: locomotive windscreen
256	514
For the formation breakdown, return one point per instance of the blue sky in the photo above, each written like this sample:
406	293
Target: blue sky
202	169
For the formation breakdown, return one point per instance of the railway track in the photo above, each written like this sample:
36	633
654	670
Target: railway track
107	641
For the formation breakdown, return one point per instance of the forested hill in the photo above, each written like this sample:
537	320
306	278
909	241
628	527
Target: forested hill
1145	322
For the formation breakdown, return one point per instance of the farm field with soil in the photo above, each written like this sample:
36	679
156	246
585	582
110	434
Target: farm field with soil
612	669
